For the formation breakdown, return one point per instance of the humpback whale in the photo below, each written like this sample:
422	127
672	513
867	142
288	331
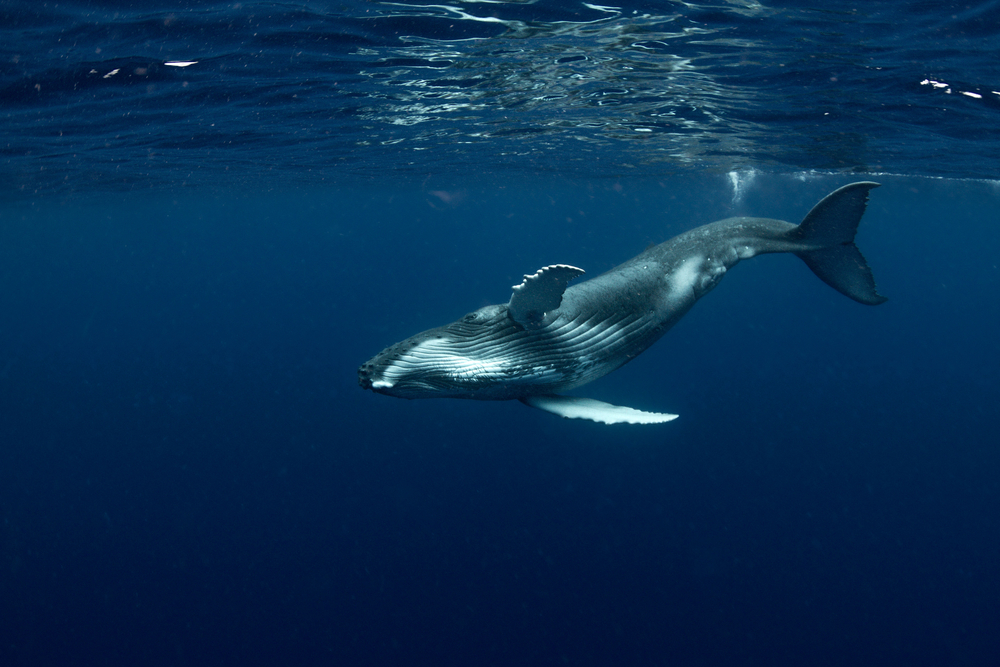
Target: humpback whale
551	337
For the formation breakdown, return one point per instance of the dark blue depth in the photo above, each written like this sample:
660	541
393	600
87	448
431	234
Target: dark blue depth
190	474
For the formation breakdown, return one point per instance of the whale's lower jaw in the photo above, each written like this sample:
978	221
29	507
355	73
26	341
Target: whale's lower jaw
495	359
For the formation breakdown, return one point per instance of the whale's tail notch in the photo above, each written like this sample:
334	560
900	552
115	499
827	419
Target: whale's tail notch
832	224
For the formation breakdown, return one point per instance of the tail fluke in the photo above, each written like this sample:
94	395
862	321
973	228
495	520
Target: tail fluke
832	224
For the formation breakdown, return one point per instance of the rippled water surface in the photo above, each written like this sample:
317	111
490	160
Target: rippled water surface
133	95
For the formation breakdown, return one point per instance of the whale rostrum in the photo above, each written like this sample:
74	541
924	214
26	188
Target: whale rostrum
551	337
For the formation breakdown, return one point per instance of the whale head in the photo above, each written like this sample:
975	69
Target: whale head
528	346
481	355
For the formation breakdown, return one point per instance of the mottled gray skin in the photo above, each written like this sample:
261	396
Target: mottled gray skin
663	283
642	298
605	322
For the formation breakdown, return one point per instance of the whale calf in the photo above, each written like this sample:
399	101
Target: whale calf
551	337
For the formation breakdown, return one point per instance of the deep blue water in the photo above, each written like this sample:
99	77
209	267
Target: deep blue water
195	260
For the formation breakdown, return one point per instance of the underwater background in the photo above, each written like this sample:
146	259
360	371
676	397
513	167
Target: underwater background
212	213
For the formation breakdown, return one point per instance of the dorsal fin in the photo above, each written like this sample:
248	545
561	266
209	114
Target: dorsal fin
540	293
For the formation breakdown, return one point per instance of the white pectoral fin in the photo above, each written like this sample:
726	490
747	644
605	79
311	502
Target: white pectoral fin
574	407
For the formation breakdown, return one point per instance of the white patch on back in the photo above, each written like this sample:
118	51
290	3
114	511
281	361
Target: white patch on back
685	277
